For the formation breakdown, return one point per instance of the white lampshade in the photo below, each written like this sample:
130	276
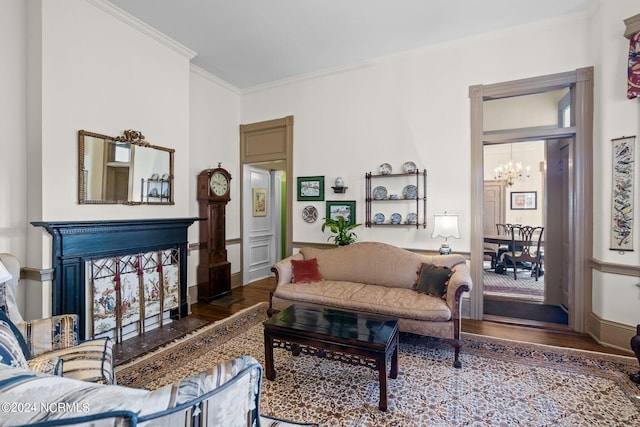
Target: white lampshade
5	276
445	226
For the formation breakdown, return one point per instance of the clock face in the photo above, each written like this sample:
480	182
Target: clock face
219	184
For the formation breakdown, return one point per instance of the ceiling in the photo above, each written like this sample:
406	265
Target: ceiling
251	42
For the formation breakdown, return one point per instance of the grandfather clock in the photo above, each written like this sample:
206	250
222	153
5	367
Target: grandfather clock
214	270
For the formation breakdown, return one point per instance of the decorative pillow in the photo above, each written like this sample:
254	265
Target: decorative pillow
305	270
47	365
433	280
13	349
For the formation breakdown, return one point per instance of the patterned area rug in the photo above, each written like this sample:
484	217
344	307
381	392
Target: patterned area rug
504	285
501	382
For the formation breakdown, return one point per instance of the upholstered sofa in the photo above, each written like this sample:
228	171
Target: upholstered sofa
382	279
227	395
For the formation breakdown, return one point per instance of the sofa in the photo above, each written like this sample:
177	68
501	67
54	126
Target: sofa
227	395
423	292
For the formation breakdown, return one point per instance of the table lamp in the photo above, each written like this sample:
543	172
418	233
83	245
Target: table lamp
445	226
5	276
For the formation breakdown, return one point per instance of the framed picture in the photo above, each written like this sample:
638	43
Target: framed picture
524	200
345	209
310	188
259	202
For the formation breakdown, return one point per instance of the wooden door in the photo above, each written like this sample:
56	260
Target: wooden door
494	206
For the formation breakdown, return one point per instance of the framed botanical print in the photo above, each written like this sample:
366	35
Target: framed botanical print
310	188
346	209
524	200
259	202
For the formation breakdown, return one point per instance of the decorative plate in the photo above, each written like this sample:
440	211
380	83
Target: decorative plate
385	169
154	177
396	218
412	218
378	218
165	192
409	167
410	192
309	214
153	192
379	193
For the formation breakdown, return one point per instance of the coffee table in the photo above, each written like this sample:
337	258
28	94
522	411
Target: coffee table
347	336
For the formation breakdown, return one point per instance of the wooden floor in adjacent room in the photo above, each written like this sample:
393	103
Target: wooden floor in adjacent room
259	291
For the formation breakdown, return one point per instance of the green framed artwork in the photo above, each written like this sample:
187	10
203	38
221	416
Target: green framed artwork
346	209
310	188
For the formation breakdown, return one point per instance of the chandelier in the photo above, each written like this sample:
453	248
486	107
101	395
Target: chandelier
510	173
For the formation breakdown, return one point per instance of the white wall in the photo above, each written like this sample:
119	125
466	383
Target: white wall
13	153
411	106
615	297
214	127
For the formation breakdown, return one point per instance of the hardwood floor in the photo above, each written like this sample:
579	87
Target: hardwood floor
254	293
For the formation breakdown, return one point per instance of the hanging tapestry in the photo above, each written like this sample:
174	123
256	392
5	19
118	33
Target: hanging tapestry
622	194
633	73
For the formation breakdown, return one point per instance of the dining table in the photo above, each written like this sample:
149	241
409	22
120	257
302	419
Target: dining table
505	239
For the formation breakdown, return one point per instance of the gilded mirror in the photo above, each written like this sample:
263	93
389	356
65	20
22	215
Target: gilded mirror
124	169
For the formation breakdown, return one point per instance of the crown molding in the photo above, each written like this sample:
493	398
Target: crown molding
215	79
144	28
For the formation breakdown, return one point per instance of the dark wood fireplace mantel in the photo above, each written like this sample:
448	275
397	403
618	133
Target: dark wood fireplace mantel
76	242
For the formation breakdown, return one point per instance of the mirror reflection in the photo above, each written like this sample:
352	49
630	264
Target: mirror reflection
124	169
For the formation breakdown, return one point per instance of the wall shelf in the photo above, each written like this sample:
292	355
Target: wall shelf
413	205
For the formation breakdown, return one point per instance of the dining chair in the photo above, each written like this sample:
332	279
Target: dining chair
527	253
504	230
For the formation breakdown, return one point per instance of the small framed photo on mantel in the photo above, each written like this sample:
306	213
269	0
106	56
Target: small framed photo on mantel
524	200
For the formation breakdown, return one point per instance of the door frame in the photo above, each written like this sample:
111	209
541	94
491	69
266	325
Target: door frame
269	141
581	201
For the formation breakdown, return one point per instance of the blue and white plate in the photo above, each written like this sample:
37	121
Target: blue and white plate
378	218
410	192
409	167
385	169
412	218
380	193
396	218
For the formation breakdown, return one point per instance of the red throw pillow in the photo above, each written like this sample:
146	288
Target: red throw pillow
305	270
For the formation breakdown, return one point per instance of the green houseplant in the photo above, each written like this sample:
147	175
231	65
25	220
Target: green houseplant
342	229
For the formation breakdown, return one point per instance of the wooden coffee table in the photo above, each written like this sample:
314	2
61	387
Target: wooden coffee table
352	337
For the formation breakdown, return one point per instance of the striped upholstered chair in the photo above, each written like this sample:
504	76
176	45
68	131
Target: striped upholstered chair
51	345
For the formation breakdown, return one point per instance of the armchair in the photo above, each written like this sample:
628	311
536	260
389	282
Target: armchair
226	395
54	340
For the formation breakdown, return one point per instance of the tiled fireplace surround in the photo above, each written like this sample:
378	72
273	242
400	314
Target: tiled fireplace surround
121	276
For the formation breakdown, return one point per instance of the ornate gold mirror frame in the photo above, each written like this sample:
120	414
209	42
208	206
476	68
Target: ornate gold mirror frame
123	170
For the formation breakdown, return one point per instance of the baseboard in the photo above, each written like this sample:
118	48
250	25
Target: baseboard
611	334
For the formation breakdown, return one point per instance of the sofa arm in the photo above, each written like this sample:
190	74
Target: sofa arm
51	333
283	269
459	282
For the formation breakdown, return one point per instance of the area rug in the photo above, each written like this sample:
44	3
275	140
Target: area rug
504	285
501	382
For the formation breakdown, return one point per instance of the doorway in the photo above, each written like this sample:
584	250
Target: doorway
529	186
267	165
579	227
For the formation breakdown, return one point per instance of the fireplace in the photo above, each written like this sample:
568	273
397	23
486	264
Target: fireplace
83	252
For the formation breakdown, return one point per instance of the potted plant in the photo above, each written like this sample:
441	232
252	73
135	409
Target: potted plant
342	229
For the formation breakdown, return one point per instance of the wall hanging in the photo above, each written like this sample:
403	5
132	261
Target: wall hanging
622	194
